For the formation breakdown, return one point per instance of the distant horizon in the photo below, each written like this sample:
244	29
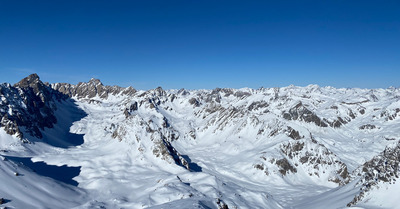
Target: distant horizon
203	44
108	84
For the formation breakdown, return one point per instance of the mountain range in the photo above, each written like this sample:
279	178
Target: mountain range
91	145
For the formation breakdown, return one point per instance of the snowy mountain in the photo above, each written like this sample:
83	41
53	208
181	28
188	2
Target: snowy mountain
95	146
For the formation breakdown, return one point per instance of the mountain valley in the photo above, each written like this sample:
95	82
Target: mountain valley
91	145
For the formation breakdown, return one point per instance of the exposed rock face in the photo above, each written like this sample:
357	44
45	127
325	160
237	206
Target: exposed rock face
337	123
367	126
129	110
279	123
257	105
316	159
390	114
214	96
293	133
285	167
165	150
300	112
384	168
194	102
29	104
221	204
306	155
92	89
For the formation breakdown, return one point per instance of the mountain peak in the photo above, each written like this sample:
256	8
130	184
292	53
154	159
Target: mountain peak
95	81
33	76
32	79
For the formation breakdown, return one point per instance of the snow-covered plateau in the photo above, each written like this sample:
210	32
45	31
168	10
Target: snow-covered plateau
94	146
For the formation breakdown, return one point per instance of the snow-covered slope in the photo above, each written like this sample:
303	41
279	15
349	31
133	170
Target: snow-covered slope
291	147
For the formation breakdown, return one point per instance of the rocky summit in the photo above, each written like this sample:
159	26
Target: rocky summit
90	145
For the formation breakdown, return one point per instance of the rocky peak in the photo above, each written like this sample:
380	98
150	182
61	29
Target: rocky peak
32	81
29	104
32	78
95	81
91	89
160	91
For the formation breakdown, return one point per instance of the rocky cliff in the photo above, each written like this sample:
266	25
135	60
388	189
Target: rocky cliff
293	136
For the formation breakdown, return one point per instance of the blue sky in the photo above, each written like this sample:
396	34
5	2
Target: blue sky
202	44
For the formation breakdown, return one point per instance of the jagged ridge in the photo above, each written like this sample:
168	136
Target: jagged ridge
290	127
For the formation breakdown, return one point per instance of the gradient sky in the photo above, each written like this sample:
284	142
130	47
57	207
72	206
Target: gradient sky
202	44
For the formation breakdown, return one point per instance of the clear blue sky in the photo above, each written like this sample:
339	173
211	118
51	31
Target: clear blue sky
202	44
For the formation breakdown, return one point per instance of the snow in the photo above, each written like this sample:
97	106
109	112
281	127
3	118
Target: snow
30	190
8	142
379	198
222	140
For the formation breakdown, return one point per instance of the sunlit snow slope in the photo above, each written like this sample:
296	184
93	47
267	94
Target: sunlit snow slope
113	147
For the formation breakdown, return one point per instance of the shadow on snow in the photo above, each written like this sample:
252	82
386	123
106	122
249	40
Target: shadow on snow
60	136
192	166
60	173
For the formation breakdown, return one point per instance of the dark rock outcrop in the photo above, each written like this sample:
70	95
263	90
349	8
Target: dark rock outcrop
193	101
383	168
293	133
367	126
129	110
298	152
285	167
30	104
300	112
